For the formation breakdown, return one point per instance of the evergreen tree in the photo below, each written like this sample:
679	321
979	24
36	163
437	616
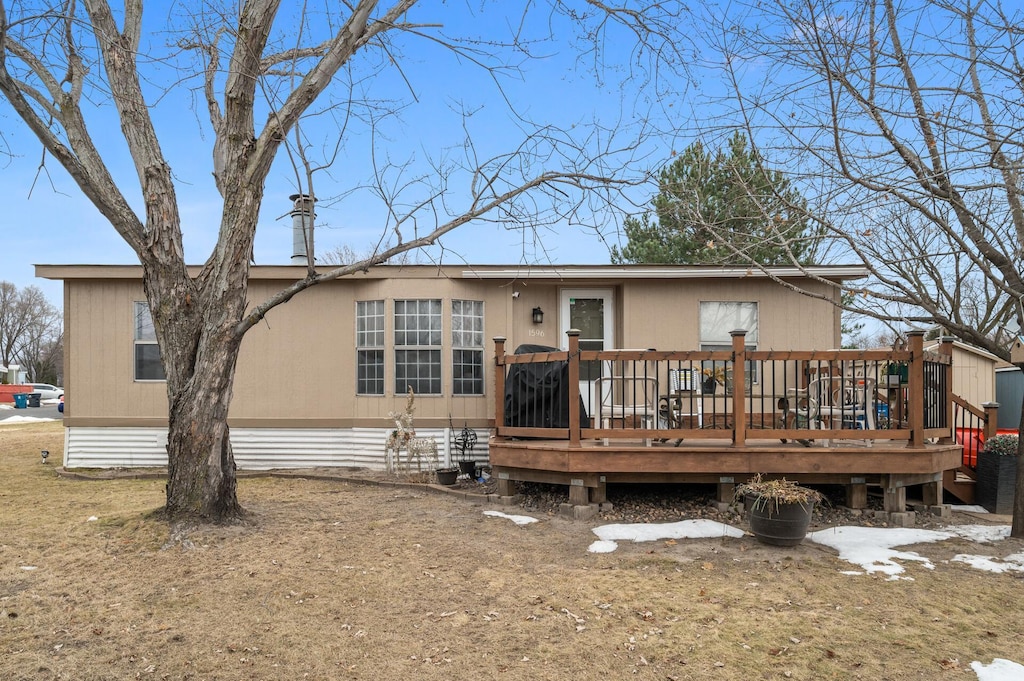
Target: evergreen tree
722	208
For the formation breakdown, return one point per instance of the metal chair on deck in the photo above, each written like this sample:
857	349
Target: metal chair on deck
627	402
843	402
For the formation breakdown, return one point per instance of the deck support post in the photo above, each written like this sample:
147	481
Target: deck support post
857	494
726	490
506	487
599	494
578	494
894	494
931	493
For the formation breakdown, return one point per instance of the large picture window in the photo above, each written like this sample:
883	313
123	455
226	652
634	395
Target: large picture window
719	318
148	366
467	347
418	346
370	347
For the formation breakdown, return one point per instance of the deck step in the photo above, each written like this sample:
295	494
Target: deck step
960	485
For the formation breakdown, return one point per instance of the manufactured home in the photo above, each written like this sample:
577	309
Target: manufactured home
317	381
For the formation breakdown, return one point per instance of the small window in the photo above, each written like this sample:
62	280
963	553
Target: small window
418	346
370	347
148	366
467	347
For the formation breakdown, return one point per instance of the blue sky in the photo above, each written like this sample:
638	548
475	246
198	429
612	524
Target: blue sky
54	223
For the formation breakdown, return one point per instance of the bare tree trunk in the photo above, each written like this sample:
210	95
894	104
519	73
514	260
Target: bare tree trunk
197	326
201	465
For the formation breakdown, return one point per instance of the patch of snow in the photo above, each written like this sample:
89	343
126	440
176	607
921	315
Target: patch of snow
517	519
983	534
1012	563
29	567
970	508
643	532
872	548
91	518
999	670
602	547
23	419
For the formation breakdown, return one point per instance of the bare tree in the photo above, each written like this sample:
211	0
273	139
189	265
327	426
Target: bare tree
29	327
250	60
904	125
346	255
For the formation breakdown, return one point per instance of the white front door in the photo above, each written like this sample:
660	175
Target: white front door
590	311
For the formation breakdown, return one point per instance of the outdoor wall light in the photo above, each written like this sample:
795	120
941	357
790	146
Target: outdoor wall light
45	453
538	315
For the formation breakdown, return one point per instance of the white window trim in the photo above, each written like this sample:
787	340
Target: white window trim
382	347
136	341
471	348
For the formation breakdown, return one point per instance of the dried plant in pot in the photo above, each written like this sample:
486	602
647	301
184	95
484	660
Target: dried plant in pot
779	510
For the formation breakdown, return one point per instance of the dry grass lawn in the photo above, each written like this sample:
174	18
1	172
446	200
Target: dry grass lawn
339	581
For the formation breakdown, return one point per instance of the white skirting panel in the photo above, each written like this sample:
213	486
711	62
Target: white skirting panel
254	448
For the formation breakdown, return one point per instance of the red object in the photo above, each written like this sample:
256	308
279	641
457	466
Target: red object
973	441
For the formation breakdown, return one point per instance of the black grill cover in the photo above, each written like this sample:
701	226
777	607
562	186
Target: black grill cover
537	395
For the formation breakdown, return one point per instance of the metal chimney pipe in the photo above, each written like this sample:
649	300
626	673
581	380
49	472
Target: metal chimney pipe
302	227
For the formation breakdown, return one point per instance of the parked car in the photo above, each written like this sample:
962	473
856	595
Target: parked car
47	391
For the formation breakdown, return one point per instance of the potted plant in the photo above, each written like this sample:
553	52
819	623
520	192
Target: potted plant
464	444
897	373
997	473
779	510
712	376
447	476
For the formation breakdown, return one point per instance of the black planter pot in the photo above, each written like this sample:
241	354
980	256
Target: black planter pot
997	476
778	524
468	468
447	476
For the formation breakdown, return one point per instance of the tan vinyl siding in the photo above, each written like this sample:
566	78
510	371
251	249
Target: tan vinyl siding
664	315
974	377
297	368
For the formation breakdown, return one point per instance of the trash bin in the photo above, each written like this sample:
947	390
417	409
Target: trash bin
34	399
20	400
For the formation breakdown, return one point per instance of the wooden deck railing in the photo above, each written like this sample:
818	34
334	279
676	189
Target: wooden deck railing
902	394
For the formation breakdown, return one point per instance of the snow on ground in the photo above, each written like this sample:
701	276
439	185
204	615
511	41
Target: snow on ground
999	670
517	519
23	419
608	535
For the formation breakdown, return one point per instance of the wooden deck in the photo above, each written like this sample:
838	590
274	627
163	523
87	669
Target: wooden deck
890	465
914	447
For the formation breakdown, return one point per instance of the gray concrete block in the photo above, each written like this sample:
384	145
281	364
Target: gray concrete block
584	512
941	510
905	519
